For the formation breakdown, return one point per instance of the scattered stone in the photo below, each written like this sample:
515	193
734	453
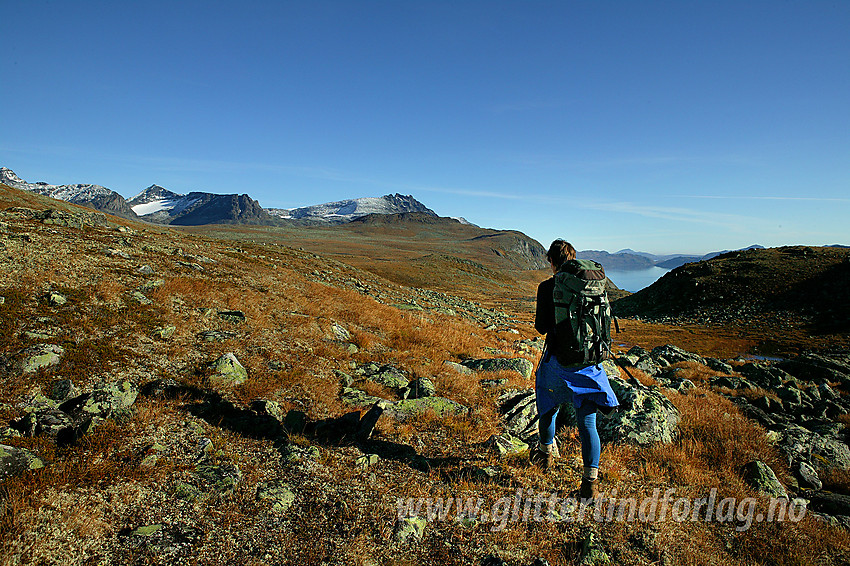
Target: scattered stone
339	332
140	298
519	413
164	332
761	478
222	478
15	461
822	451
56	299
165	539
830	503
520	365
441	406
294	454
278	493
493	383
216	335
410	529
366	460
193	266
645	415
458	367
717	365
227	371
506	444
145	270
236	317
112	252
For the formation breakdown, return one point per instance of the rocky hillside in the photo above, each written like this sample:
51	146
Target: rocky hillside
172	398
798	283
88	195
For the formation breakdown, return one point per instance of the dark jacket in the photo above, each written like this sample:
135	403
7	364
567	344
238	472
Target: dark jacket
544	323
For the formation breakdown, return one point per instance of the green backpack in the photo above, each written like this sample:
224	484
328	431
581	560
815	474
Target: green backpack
582	313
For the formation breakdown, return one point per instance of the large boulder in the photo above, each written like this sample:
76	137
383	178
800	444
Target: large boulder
762	478
519	413
669	355
645	415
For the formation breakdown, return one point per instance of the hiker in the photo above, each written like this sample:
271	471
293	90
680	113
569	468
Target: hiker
577	339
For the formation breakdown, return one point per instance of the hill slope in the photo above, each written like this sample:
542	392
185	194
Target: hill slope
807	284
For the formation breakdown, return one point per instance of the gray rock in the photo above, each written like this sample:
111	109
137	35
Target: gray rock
15	461
227	371
806	476
216	335
140	298
718	365
763	375
519	413
356	398
164	332
520	365
62	390
236	317
761	478
294	454
669	355
366	460
145	270
458	368
388	376
830	503
823	452
592	553
338	332
56	299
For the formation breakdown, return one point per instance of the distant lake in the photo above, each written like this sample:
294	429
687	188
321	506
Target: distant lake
634	280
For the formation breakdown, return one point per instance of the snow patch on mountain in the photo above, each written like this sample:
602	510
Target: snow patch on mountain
158	199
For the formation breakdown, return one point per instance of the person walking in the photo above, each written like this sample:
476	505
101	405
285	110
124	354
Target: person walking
577	329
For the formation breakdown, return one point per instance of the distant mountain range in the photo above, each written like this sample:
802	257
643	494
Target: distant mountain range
159	205
630	260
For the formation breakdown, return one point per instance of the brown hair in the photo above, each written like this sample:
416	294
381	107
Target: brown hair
559	252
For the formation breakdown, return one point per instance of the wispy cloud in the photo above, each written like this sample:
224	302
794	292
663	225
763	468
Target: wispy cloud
755	197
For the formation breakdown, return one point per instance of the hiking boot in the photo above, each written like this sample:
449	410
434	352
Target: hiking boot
543	455
589	489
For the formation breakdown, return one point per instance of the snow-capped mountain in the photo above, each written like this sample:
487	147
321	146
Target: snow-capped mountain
92	196
158	204
347	210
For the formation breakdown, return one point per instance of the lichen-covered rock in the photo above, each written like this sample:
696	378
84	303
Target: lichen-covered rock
227	371
806	476
441	406
15	461
37	357
222	478
762	478
644	416
164	332
421	387
520	365
506	444
277	493
410	529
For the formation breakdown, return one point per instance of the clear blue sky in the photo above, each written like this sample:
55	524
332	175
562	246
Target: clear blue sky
660	126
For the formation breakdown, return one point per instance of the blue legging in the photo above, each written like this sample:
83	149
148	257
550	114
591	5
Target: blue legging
587	433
